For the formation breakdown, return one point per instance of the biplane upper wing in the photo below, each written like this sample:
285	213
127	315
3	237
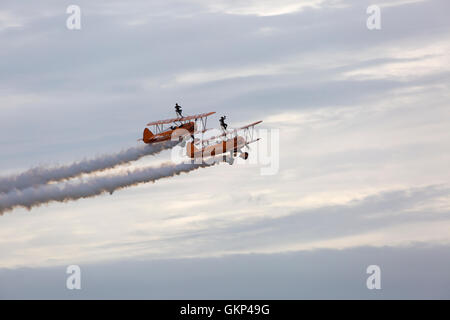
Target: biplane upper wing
254	140
197	116
244	127
231	132
214	137
249	125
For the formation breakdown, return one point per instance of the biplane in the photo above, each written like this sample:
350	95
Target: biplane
179	128
228	144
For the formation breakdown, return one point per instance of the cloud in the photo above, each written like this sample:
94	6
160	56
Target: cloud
264	7
399	3
417	63
322	274
9	20
304	228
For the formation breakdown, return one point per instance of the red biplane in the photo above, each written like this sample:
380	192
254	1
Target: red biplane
229	142
180	128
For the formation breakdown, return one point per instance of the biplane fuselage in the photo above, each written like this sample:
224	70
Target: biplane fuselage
232	145
169	134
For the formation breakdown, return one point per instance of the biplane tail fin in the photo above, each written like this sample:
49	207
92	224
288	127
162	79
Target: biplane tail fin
147	136
191	149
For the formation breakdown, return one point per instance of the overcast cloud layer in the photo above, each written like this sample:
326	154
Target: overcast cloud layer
363	118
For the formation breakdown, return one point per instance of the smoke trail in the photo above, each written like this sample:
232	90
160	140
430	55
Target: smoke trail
42	175
32	197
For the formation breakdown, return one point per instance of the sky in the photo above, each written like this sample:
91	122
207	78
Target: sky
359	121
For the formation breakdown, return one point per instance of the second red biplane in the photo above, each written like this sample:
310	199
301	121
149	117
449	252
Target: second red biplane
228	144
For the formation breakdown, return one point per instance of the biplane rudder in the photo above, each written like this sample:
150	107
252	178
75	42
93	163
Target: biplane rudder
147	135
191	150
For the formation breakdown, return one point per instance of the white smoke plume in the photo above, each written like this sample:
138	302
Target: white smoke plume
43	175
32	197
